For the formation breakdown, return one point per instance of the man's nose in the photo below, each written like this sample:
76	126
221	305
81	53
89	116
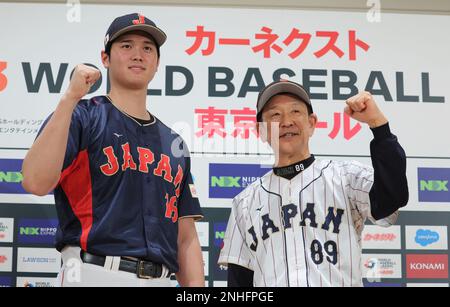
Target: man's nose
286	121
137	55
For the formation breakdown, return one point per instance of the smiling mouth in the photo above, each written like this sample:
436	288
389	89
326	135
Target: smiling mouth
137	68
288	135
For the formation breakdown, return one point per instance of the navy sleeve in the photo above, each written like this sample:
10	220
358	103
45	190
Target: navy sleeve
239	276
390	187
188	203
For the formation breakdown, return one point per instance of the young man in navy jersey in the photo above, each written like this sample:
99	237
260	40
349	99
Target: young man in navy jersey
126	202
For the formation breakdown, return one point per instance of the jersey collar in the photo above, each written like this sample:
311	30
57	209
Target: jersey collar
131	117
290	171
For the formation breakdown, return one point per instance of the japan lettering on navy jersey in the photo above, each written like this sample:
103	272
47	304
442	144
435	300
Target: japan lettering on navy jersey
124	185
305	231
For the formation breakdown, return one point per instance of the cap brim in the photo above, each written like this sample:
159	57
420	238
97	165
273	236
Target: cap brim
282	87
158	35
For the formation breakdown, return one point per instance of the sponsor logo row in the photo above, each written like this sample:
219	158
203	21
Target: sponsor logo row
418	266
373	237
375	266
43	231
29	231
36	260
28	282
417	237
226	180
38	282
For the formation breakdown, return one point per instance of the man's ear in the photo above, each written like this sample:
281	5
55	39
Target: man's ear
312	123
105	59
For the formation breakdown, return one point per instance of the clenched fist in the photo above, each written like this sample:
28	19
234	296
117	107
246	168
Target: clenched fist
363	108
82	79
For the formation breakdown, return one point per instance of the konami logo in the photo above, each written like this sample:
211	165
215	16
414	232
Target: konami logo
427	266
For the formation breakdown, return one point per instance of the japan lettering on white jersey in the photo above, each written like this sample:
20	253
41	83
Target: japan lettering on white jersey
305	231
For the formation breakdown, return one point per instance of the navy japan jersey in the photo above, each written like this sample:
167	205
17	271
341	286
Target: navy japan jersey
123	186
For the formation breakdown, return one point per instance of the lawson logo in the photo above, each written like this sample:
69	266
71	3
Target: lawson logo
228	180
433	184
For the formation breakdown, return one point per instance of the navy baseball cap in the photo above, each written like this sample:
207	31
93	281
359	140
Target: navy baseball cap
282	87
133	22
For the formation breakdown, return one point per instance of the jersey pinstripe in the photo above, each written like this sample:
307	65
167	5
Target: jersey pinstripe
305	231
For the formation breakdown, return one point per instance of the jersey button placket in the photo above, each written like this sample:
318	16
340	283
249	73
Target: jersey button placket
143	140
147	188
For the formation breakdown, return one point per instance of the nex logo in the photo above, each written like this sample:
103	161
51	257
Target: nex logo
225	182
29	231
11	177
219	235
434	185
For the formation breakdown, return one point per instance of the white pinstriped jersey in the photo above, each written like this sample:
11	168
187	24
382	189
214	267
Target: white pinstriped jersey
305	231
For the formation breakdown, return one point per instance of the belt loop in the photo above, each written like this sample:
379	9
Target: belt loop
108	262
115	264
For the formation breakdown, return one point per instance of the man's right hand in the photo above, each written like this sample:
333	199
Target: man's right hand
82	79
